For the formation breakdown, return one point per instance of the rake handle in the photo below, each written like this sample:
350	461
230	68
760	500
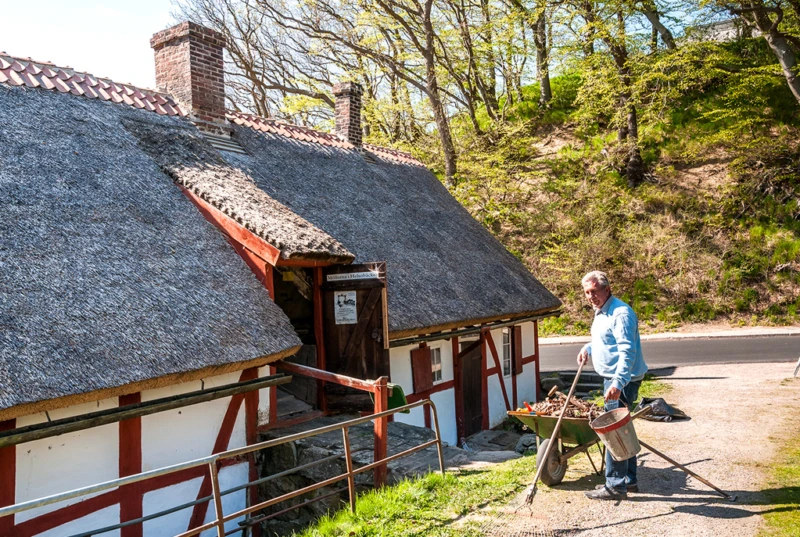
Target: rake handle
554	436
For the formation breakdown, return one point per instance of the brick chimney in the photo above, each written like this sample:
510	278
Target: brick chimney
189	67
348	111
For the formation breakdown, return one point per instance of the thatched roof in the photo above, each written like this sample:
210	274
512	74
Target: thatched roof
109	276
444	269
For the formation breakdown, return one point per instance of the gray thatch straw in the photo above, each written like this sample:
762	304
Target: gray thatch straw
444	269
109	276
192	162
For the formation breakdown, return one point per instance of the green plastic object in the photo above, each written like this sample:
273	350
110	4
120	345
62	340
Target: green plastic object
396	399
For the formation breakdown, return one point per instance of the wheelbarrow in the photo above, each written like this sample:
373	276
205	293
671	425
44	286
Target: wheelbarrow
575	437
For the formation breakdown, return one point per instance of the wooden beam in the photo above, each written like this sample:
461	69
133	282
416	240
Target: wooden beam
350	382
500	376
363	321
484	384
537	367
441	387
251	437
8	479
130	463
234	229
319	337
309	263
381	426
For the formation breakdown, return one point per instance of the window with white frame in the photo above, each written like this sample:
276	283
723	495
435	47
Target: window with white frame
506	352
436	364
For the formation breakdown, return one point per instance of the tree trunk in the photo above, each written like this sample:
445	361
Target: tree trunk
628	132
542	60
649	10
788	60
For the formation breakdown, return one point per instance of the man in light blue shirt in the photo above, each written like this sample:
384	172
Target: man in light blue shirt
616	354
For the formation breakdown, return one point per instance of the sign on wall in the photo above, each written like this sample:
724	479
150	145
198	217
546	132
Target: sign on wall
353	276
344	309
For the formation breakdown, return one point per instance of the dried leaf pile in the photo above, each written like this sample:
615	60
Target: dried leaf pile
577	408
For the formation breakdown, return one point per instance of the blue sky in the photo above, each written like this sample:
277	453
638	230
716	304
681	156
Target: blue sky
106	38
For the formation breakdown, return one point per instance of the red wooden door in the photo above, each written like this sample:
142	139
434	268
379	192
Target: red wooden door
356	329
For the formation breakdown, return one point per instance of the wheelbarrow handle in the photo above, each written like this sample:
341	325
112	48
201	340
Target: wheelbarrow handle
554	436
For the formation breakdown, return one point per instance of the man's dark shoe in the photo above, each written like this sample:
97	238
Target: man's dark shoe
605	493
630	488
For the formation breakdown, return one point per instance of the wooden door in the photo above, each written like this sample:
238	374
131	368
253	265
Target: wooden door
471	386
356	329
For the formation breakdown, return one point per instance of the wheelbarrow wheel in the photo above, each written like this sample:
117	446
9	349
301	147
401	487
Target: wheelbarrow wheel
553	471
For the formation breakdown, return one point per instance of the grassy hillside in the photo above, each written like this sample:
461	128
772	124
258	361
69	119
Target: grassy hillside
713	234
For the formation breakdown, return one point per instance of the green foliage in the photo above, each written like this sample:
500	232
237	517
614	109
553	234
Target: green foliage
783	497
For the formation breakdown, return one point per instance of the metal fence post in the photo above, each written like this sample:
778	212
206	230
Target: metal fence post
438	438
381	429
348	459
212	467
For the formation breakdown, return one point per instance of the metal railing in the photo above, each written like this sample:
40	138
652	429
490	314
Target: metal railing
216	497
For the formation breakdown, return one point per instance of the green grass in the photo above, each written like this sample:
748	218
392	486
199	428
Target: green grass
783	495
428	505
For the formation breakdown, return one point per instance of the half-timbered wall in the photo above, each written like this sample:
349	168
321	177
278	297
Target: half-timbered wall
443	394
400	360
98	454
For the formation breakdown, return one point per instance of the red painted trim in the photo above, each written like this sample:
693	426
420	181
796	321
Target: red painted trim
529	359
381	430
251	434
414	397
234	229
305	263
459	389
8	478
537	367
273	398
427	414
130	463
492	371
493	349
319	338
47	522
484	383
514	390
221	444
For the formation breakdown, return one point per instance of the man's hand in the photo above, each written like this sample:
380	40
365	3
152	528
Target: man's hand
583	357
613	394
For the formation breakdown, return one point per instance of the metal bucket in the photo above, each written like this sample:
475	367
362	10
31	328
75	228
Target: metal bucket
615	429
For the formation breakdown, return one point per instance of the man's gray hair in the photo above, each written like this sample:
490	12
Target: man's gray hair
596	276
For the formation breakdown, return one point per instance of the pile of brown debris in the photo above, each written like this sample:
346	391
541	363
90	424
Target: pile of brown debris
577	408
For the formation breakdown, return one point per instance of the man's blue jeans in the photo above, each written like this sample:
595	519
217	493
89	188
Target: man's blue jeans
621	474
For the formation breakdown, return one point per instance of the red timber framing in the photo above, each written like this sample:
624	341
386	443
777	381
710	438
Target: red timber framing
8	478
130	497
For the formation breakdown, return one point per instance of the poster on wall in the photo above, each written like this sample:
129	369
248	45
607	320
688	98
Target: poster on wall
345	307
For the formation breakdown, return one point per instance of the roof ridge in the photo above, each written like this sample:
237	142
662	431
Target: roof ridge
17	71
309	134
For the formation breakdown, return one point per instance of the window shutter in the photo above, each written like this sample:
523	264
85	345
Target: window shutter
421	369
516	350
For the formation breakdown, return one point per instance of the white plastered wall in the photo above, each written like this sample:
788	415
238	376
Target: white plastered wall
400	366
526	383
91	456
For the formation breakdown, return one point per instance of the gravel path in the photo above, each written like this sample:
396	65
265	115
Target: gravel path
742	414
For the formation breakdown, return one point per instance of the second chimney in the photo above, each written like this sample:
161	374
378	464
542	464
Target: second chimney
348	111
189	67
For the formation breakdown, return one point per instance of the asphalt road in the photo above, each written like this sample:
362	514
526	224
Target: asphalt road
666	353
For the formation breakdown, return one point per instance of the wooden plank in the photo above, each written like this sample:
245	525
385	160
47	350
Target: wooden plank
8	478
234	229
251	437
319	337
364	318
469	348
327	376
421	372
